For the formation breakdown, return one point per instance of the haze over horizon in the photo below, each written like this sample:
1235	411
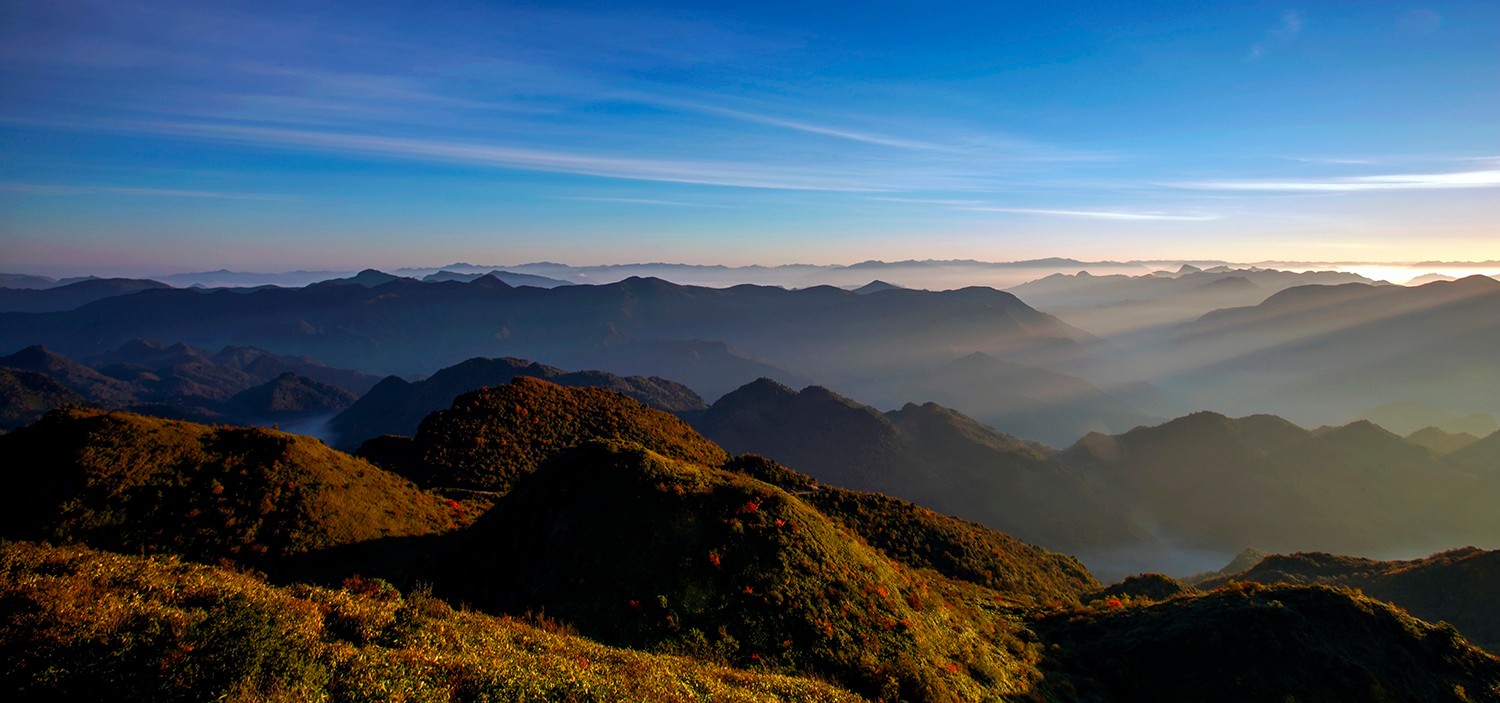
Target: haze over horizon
151	137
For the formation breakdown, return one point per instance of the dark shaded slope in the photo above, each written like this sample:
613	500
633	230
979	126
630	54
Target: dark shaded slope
25	396
637	549
288	396
92	385
1456	586
1260	644
72	295
396	406
927	454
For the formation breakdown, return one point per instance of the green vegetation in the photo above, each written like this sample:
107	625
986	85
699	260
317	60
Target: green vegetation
1457	586
641	550
1143	587
920	538
79	625
1255	643
132	483
490	437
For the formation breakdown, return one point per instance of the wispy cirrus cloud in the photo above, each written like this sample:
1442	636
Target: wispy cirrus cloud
701	172
643	201
1123	215
64	190
799	125
1416	181
1099	214
1285	31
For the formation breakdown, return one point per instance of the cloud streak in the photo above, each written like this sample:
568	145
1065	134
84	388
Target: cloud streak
1098	214
715	173
1423	181
65	190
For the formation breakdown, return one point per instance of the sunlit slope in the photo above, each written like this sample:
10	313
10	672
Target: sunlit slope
131	483
80	625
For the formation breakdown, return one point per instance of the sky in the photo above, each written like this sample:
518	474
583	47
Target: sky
146	138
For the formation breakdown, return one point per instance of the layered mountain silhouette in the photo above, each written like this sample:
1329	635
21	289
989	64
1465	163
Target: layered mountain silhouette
1408	417
25	396
1212	482
70	296
508	277
396	406
923	453
1120	305
1026	401
1319	354
238	384
1456	586
711	339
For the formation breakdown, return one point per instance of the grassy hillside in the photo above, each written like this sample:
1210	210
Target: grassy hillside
490	437
397	407
964	551
80	625
1456	586
134	483
1255	643
641	550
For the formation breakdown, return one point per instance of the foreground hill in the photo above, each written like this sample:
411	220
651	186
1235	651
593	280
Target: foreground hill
640	550
1456	586
396	407
1253	643
133	483
923	453
1211	482
720	561
491	437
185	632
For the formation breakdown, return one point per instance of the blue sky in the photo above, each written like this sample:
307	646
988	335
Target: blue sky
150	137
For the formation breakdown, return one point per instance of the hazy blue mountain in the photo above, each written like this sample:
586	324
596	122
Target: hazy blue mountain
509	277
923	453
70	296
1320	354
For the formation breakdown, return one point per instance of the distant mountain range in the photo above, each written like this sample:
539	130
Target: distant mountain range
70	296
1324	353
239	384
1209	482
714	340
1122	305
923	453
